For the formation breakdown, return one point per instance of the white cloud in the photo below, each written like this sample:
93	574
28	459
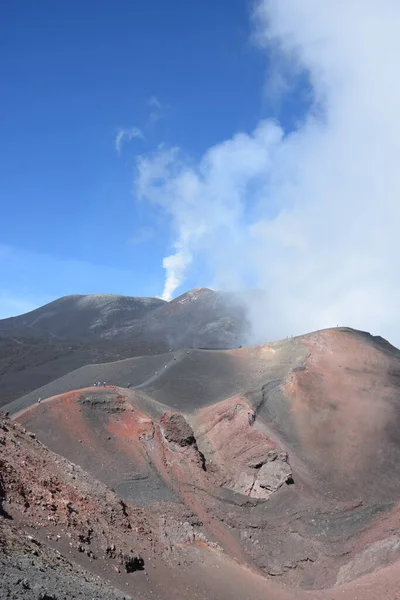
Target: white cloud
127	134
158	110
312	217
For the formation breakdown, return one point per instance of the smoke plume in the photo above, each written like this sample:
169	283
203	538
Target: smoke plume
310	216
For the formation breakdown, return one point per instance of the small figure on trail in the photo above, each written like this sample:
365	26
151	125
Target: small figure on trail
39	400
104	384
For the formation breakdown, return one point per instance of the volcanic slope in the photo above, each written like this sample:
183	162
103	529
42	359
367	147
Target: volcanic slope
287	453
27	364
74	331
184	380
64	535
79	317
200	317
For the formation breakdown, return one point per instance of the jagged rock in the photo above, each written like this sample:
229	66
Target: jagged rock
111	551
283	456
176	429
251	418
245	483
270	457
273	475
133	562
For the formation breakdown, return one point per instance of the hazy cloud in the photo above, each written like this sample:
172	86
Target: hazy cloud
311	217
154	102
157	110
127	134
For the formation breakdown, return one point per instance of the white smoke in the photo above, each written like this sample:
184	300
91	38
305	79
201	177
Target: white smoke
175	267
311	217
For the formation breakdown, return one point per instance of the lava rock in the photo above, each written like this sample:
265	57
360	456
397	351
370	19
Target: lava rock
176	429
133	562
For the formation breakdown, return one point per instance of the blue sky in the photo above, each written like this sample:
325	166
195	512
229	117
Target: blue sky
73	73
150	147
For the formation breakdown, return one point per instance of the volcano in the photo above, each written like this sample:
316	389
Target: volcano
203	470
40	346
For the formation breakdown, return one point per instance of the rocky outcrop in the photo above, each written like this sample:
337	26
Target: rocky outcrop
33	571
271	476
59	498
240	451
177	430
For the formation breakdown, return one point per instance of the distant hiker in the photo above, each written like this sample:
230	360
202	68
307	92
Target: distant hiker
39	400
104	384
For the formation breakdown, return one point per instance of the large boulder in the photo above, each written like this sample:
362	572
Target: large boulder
176	429
272	475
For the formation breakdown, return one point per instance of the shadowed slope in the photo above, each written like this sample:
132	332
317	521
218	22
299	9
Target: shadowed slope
79	316
200	317
27	364
185	379
74	331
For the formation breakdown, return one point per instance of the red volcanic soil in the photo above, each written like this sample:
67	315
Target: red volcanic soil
286	488
237	447
101	431
51	509
345	410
